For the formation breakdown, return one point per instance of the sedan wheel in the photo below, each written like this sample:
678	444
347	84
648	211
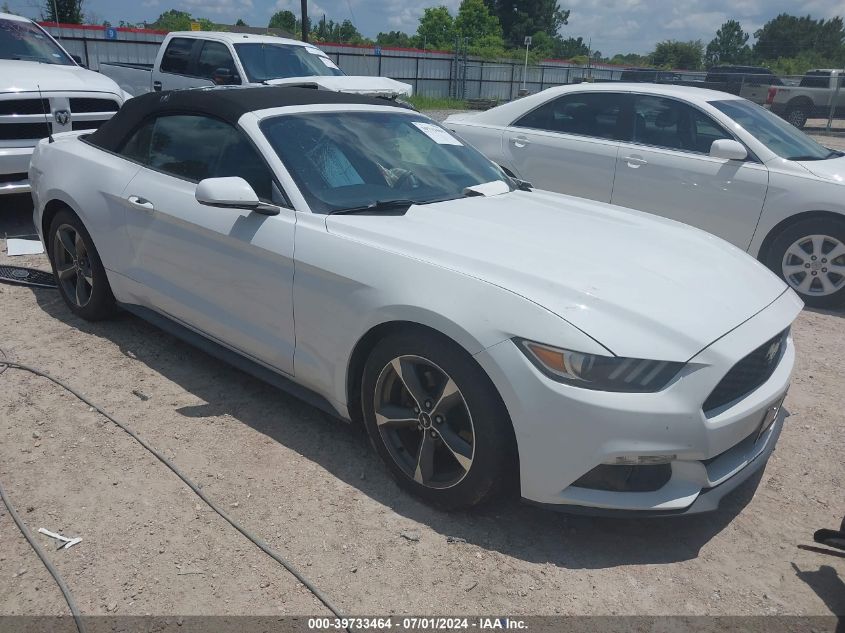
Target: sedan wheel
436	420
815	265
76	264
424	421
73	266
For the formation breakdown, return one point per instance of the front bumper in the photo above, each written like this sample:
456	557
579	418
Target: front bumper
564	432
14	164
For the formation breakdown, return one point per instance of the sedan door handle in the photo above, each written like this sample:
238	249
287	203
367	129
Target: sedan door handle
157	86
635	161
521	141
141	203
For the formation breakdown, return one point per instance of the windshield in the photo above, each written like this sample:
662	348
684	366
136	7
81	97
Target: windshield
25	41
783	139
346	160
281	61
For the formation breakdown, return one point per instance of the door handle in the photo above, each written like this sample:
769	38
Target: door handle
157	86
635	161
521	141
141	203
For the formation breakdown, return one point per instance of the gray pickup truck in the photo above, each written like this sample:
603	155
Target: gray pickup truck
820	93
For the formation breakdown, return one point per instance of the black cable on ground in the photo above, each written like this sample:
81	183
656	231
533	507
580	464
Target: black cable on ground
71	603
264	547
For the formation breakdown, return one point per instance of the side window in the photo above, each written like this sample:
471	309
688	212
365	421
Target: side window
199	147
177	57
215	62
598	115
667	123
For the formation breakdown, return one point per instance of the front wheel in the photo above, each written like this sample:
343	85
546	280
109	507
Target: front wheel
810	256
436	420
797	115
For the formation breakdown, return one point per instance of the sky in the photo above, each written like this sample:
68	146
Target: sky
613	26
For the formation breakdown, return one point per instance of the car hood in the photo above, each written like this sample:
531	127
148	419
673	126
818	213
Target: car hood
368	86
23	76
832	169
643	286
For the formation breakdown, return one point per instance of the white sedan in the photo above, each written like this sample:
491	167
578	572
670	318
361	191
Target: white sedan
705	158
362	256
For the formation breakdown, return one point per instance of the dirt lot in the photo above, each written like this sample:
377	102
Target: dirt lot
312	488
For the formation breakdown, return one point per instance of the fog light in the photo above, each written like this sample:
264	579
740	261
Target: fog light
642	460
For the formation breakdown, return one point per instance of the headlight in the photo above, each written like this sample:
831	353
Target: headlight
602	373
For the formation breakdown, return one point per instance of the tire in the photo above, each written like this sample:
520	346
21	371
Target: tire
470	418
809	255
79	271
797	115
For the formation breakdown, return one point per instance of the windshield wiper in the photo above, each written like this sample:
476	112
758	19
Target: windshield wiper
377	206
832	154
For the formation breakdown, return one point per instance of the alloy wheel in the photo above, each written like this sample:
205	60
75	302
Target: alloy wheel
815	265
73	265
797	117
424	421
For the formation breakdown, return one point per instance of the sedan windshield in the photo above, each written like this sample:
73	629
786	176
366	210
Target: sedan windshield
783	139
349	160
281	61
25	41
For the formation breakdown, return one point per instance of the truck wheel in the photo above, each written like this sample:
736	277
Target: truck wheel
810	256
797	115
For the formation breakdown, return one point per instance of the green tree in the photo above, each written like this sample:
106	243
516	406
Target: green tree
730	46
570	47
787	36
526	17
394	38
69	11
436	29
631	59
682	55
240	22
284	20
475	22
174	20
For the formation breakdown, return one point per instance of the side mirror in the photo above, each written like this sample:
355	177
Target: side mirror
224	77
231	193
728	149
78	60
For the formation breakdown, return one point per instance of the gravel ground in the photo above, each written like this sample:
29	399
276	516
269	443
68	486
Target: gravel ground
313	489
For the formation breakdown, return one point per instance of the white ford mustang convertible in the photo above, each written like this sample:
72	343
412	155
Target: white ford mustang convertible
362	256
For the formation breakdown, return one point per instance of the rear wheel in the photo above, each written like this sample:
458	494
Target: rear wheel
797	115
436	420
810	256
79	272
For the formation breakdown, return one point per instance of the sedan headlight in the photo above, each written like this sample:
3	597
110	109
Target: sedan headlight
602	373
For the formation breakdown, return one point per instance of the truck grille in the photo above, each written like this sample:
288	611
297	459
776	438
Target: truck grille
93	105
23	119
748	374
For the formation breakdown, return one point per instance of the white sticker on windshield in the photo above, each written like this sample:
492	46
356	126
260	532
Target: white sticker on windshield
314	51
327	62
437	134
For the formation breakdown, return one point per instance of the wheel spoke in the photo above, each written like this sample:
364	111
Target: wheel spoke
818	245
449	397
67	243
396	417
457	445
836	251
827	284
66	273
805	284
83	290
86	275
407	374
425	460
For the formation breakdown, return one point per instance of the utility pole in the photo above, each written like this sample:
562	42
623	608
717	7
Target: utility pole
56	15
525	70
304	11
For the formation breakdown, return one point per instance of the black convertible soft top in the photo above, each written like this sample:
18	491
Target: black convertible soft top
227	104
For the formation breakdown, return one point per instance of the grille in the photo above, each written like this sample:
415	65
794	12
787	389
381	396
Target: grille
6	178
23	131
25	106
86	125
748	374
89	104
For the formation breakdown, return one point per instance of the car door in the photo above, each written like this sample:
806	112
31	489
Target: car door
666	169
177	68
226	273
569	144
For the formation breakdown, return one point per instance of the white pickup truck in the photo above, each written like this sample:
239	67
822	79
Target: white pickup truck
820	94
43	90
206	58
